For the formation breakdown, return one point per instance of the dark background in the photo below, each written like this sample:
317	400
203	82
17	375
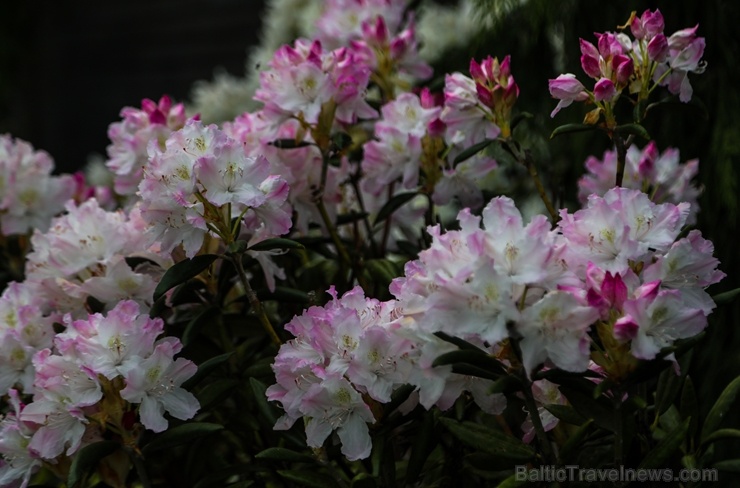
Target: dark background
67	68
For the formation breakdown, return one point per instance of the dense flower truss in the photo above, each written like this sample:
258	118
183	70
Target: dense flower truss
304	77
200	182
350	355
618	62
29	195
84	254
130	139
100	369
661	175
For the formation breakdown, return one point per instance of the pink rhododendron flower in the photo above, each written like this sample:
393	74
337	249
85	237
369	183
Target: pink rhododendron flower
130	138
29	195
155	383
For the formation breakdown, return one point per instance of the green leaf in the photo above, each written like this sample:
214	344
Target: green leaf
382	270
205	369
311	479
276	243
283	454
461	343
722	434
88	458
505	384
571	128
726	297
574	440
182	434
424	442
182	272
477	358
348	218
289	143
666	447
216	392
601	412
669	384
689	406
259	389
720	408
633	129
730	465
488	440
284	294
471	151
340	141
566	414
396	202
519	118
192	329
512	481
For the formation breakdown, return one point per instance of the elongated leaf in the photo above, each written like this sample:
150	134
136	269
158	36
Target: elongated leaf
726	297
276	243
182	434
505	384
730	465
720	434
192	329
586	405
289	143
572	128
633	129
284	294
382	270
720	408
461	343
216	392
566	414
471	151
350	217
488	440
689	406
282	454
512	481
88	458
312	479
396	202
182	272
480	359
425	440
666	447
259	389
205	369
574	440
519	118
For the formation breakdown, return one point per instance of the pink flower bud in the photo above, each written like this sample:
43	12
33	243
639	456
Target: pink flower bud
623	67
625	329
590	60
658	48
604	90
567	89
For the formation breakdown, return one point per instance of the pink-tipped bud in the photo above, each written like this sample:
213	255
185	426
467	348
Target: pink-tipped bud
590	60
604	90
657	48
614	290
625	329
623	67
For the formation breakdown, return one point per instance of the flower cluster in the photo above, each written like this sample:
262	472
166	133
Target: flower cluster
613	272
130	139
87	253
98	373
617	62
29	195
203	179
660	175
348	357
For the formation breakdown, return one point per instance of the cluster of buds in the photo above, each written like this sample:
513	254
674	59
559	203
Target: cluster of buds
617	63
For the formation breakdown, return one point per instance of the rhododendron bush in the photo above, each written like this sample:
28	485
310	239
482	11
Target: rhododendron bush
332	290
